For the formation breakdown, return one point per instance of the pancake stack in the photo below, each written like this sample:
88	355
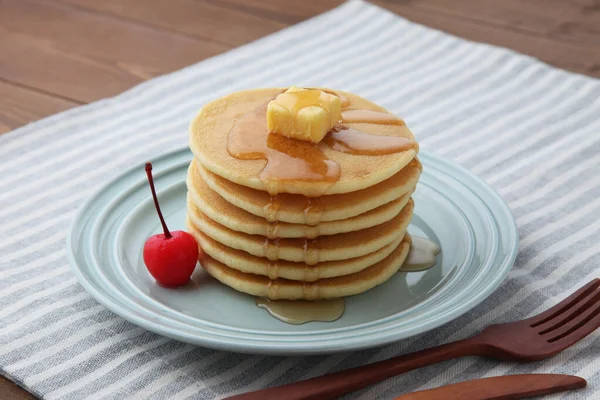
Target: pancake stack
285	219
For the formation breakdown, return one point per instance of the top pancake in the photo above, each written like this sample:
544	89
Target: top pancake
209	133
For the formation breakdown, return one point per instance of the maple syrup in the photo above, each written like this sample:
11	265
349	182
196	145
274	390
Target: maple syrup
421	256
301	311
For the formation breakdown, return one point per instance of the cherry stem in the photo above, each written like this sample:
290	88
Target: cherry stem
160	216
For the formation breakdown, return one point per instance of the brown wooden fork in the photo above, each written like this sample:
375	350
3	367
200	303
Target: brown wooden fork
531	339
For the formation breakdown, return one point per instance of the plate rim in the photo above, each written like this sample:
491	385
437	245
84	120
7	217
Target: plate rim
242	345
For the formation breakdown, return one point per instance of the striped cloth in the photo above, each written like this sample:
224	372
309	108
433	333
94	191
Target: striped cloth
530	130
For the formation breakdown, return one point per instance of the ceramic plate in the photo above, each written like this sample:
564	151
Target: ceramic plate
470	222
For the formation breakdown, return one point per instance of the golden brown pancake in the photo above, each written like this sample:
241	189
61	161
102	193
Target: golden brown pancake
347	285
292	207
209	133
284	218
221	211
311	251
246	262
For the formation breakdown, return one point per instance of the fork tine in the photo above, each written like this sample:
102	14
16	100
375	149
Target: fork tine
577	329
573	312
565	304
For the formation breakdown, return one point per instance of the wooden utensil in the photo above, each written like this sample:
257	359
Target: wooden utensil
501	387
535	338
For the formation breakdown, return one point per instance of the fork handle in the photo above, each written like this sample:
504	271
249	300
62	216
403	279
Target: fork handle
336	384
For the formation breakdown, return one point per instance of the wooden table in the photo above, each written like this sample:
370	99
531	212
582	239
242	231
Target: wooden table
59	54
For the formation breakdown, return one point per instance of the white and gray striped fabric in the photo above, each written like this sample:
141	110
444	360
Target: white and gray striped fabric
530	130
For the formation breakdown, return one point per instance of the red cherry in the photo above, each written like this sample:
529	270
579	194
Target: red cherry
169	257
171	260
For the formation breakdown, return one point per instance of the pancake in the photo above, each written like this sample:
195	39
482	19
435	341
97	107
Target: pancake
221	211
209	133
347	285
292	208
248	263
311	251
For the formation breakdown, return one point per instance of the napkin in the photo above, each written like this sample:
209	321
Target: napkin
530	130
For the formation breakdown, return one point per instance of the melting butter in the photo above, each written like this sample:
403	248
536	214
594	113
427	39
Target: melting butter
298	312
421	255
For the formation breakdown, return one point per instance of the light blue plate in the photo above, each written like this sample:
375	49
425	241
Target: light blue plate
473	226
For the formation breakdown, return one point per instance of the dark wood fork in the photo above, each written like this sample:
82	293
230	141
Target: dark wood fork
531	339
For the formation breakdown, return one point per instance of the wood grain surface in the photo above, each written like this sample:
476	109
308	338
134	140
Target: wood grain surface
57	54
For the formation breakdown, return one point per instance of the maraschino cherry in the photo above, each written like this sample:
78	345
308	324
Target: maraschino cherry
169	256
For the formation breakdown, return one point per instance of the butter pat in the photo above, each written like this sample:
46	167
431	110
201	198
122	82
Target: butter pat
304	114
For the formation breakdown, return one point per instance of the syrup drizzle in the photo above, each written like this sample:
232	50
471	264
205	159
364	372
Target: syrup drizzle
301	311
287	159
422	255
271	248
273	270
349	140
370	116
311	250
311	274
273	230
296	160
313	211
271	209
